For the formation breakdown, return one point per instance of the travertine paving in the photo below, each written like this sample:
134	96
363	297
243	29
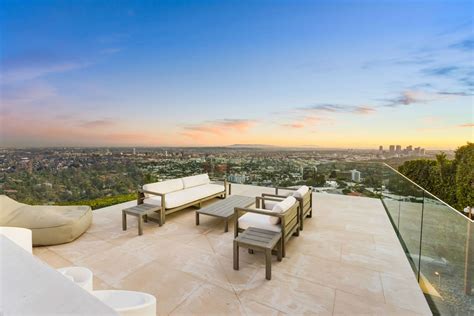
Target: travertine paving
346	261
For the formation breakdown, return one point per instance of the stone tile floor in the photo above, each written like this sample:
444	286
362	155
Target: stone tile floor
346	261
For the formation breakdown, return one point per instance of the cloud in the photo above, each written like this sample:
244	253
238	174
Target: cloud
21	130
465	45
29	66
295	125
441	71
456	94
97	124
466	125
421	60
412	97
218	127
15	95
363	110
333	108
415	96
110	50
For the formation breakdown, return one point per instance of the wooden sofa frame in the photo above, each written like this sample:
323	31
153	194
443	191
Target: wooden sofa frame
164	211
289	220
306	202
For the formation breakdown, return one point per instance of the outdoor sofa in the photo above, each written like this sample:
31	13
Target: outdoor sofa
281	216
50	225
177	194
302	194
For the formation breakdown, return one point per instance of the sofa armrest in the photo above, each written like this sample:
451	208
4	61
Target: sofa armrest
237	210
150	192
224	182
274	195
141	195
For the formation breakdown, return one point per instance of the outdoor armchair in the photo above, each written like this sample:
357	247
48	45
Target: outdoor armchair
303	195
282	217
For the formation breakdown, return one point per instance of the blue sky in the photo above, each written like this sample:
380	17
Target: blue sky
303	73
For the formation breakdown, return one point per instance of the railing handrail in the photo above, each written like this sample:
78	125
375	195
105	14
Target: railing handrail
420	187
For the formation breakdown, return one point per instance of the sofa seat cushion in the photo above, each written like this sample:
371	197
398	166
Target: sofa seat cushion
194	181
164	186
258	221
52	225
179	198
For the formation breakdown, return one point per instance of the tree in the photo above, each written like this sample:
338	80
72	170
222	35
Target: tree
450	180
465	176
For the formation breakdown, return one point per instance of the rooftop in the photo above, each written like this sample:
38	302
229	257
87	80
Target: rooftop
347	260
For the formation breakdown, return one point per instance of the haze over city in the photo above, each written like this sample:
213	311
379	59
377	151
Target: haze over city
345	75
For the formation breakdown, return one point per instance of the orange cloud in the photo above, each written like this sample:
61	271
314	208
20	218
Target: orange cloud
294	125
217	127
466	125
16	130
363	110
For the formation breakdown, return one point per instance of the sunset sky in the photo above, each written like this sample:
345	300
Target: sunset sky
192	73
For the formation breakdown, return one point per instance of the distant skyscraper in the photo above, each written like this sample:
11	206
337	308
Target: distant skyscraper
398	148
409	148
134	151
380	148
392	148
355	175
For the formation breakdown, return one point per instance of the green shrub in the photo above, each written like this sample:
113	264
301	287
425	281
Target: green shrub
103	202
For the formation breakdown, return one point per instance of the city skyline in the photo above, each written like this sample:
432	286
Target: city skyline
293	74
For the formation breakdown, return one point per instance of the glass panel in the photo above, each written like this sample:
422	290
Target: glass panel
445	257
410	198
390	198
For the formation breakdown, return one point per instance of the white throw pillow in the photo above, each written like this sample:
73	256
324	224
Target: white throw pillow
163	187
194	181
301	192
281	207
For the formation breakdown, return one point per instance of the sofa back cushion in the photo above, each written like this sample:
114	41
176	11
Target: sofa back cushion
164	186
194	181
281	207
301	192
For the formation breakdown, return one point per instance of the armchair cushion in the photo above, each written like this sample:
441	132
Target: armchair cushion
164	186
301	192
281	207
193	181
269	205
258	221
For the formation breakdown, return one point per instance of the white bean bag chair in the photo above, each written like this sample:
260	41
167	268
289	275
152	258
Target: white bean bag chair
50	225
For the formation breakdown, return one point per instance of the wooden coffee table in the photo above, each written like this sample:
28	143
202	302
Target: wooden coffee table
141	211
225	208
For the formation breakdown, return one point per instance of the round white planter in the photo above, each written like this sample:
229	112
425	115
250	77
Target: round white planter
79	275
128	303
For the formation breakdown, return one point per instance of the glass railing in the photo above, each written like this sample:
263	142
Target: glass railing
437	239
